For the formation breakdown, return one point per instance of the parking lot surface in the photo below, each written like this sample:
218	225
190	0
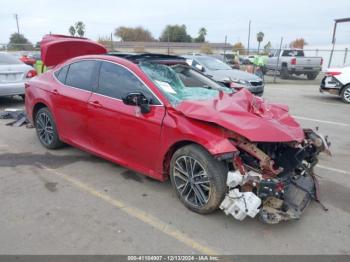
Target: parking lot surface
69	202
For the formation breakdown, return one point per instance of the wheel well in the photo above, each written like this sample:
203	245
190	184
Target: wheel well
169	154
36	108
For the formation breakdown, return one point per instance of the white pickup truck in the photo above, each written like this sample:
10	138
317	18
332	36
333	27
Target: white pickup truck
293	61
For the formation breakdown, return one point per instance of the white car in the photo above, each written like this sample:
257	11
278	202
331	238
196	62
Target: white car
13	74
337	82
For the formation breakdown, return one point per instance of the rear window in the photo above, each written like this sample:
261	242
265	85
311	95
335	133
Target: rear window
83	75
293	53
7	59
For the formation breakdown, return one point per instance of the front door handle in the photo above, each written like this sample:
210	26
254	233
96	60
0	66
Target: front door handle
55	92
95	104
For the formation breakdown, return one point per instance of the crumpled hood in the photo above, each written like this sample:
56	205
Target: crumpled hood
220	75
247	115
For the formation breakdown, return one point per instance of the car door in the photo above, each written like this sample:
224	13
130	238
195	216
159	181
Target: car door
70	97
121	132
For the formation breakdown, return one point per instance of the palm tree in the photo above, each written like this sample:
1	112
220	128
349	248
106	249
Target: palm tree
71	30
259	38
80	28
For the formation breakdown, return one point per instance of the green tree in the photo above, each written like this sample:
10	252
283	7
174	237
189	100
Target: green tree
175	33
134	34
267	47
259	38
201	35
239	47
71	30
80	28
19	42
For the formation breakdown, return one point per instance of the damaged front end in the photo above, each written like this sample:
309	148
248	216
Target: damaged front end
275	181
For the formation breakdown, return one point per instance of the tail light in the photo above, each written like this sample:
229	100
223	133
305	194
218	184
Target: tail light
31	73
333	73
293	61
321	61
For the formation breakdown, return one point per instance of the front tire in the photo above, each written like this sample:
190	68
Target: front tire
46	129
284	72
345	94
198	179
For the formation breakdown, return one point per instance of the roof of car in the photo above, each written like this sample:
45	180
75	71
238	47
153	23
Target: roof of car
150	57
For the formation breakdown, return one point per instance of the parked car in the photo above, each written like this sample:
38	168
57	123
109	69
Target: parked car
223	73
294	61
27	60
13	75
219	147
337	82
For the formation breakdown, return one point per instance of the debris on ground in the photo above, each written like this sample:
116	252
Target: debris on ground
18	115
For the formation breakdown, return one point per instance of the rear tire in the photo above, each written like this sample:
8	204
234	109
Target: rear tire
46	129
312	76
284	73
345	94
198	179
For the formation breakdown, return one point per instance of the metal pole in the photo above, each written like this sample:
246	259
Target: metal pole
278	60
16	17
224	58
248	37
333	42
168	43
345	55
112	42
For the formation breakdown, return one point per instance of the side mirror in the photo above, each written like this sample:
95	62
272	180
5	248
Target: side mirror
137	99
200	67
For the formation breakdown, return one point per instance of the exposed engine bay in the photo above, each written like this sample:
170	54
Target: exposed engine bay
274	181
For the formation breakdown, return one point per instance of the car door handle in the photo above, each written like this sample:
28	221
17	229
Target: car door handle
95	104
55	92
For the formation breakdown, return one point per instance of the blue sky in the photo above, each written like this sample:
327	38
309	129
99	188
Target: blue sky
310	19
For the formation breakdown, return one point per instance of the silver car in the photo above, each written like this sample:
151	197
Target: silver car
223	73
13	75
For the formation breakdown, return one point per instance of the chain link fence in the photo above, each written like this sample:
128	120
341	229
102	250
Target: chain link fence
224	51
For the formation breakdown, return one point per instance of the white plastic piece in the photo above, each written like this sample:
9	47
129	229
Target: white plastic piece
235	178
241	204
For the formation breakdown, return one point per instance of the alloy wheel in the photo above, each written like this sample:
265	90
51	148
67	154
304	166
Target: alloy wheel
191	181
346	94
45	128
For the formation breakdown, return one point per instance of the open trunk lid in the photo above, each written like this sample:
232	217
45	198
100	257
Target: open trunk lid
58	48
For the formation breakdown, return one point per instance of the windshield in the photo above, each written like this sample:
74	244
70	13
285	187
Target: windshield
170	84
7	59
213	63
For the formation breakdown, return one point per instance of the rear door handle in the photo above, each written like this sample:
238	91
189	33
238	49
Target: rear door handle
95	104
55	92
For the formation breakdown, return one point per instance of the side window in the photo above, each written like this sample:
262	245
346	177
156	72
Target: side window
62	73
83	75
116	82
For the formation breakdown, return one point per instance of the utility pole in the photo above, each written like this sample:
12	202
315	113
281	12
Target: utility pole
224	59
249	36
112	48
168	43
16	17
278	61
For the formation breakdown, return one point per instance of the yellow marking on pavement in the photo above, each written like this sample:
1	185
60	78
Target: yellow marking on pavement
136	213
322	121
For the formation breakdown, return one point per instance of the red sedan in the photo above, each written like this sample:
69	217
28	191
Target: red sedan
220	148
